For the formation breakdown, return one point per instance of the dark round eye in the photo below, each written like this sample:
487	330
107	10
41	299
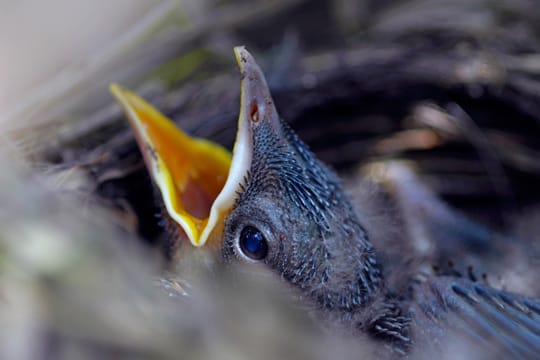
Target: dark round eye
253	244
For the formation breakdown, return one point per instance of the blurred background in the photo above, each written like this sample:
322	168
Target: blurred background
450	88
32	30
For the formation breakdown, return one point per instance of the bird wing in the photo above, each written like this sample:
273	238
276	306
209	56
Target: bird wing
505	324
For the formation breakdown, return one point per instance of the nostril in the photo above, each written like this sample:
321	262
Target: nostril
254	112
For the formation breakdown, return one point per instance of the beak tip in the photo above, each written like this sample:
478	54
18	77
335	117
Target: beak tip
245	60
241	54
117	90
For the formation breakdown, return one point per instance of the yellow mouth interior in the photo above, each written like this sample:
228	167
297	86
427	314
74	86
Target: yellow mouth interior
189	172
199	180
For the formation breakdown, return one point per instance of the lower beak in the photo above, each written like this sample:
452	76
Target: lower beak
197	179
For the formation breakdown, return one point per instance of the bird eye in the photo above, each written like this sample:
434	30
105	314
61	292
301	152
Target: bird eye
253	244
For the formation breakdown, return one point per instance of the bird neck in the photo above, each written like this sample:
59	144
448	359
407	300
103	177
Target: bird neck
355	272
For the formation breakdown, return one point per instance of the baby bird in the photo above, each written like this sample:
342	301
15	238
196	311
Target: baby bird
275	204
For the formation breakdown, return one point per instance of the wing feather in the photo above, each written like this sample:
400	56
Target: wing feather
506	324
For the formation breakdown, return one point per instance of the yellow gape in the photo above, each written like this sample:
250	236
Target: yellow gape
196	177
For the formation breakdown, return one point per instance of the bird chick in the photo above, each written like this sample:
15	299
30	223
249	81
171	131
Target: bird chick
276	205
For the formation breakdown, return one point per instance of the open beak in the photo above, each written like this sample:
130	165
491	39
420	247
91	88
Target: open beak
197	179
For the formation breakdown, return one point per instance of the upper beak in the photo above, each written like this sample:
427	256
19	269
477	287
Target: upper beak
197	179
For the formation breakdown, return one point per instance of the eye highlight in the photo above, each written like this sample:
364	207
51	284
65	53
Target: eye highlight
253	244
